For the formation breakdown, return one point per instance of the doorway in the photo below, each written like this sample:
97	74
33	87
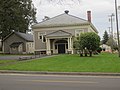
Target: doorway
61	48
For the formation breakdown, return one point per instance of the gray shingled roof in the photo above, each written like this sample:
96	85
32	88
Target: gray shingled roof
60	20
58	33
27	37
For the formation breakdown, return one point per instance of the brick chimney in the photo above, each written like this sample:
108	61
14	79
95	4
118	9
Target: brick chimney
89	16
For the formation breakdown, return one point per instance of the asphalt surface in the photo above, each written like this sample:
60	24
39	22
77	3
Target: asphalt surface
58	82
17	57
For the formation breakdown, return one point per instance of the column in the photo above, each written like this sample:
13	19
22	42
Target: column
68	44
48	46
71	45
70	49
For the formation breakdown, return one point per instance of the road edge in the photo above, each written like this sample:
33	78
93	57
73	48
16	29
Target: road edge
60	73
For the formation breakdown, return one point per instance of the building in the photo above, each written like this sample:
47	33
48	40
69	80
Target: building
55	35
18	43
106	48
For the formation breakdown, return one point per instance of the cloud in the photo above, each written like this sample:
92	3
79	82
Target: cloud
100	10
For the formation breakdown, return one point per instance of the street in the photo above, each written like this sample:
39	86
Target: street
58	82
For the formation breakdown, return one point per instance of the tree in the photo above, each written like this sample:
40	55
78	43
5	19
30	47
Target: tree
89	41
16	15
111	42
77	46
105	37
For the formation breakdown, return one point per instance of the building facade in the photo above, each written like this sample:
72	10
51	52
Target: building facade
56	35
18	43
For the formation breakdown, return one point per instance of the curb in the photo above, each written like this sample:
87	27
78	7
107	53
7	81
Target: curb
59	73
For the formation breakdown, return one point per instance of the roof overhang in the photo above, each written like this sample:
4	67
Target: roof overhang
60	25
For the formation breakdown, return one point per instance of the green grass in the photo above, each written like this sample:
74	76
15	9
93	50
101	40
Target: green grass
104	62
6	61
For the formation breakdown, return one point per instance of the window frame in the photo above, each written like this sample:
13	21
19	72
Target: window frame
41	36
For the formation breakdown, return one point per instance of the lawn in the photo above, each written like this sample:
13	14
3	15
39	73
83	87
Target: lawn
6	61
104	62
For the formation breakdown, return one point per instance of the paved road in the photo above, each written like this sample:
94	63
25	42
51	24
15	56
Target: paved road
57	82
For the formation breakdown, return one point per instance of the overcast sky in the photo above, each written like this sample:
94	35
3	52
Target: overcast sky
101	9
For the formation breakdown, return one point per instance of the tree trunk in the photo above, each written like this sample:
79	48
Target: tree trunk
90	52
81	53
85	54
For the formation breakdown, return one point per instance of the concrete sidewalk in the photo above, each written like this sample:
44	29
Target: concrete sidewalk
61	73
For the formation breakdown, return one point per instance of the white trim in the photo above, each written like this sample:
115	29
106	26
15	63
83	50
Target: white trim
42	35
40	50
78	32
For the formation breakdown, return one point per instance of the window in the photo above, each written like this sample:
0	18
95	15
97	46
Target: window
78	32
77	35
41	36
44	39
86	30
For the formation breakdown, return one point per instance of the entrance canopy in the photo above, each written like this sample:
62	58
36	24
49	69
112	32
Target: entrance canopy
60	40
15	44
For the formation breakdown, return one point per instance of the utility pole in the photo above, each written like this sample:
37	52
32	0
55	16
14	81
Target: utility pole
116	11
109	30
111	21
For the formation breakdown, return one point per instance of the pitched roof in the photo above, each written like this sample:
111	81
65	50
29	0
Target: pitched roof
61	20
27	37
58	33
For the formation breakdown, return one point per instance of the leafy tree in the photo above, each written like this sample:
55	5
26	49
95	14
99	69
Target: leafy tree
77	46
89	41
16	15
105	37
111	42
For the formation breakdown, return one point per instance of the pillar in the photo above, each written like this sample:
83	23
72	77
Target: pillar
70	49
48	46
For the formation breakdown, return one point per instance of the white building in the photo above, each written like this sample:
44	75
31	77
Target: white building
56	35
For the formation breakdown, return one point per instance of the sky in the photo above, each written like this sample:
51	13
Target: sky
101	11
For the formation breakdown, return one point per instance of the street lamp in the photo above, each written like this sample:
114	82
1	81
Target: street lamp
116	11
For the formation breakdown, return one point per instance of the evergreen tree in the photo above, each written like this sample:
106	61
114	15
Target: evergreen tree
16	15
105	37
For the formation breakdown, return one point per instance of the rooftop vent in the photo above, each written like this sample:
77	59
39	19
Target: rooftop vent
66	11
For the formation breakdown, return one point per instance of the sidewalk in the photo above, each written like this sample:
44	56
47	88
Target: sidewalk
60	73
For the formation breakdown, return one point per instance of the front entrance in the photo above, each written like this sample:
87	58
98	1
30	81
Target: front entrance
61	48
